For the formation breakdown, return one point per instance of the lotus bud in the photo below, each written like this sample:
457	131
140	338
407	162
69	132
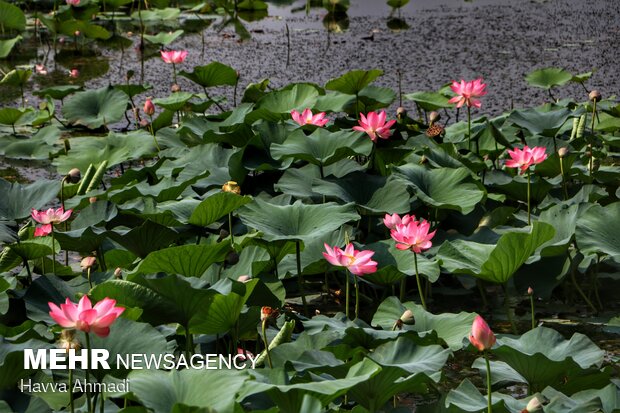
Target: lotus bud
595	96
562	152
74	176
533	405
87	262
92	199
232	186
76	33
401	113
74	73
530	291
244	278
407	318
481	335
175	88
68	341
434	117
266	313
118	273
149	108
588	154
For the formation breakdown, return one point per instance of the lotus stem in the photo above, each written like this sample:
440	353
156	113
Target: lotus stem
357	296
591	162
71	402
403	286
189	342
153	134
489	400
90	283
90	407
28	271
578	288
174	73
266	341
529	180
230	229
417	279
53	251
533	311
346	294
563	178
468	128
300	280
507	306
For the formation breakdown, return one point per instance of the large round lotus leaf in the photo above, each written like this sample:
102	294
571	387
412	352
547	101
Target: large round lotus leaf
354	81
217	206
161	391
537	121
213	74
7	45
299	97
467	398
544	358
128	337
598	231
18	200
296	222
12	361
57	92
11	17
548	77
164	38
322	147
443	188
494	263
187	260
451	328
375	195
429	100
144	239
592	400
96	108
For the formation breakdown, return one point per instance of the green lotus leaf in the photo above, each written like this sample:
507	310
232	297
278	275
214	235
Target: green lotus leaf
168	13
295	222
164	38
16	77
372	98
298	182
598	231
128	337
591	400
548	77
161	391
11	116
7	45
217	206
443	188
397	3
169	299
451	328
175	101
354	81
115	4
467	398
96	108
538	122
516	187
544	358
252	5
297	96
30	250
211	75
494	263
19	200
429	101
187	260
322	147
57	92
390	260
334	102
11	17
144	239
91	31
12	361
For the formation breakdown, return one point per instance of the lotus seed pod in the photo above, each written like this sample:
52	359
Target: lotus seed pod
74	176
595	96
68	341
562	152
401	112
175	88
232	186
407	317
266	313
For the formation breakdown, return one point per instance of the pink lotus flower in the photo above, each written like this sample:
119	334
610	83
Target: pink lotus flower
481	335
74	73
43	230
375	126
307	118
149	108
174	56
526	157
51	216
83	316
467	92
40	70
413	235
73	2
357	262
391	221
